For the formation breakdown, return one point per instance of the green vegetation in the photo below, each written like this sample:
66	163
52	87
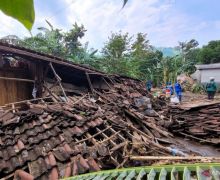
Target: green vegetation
209	53
23	11
174	171
123	54
198	88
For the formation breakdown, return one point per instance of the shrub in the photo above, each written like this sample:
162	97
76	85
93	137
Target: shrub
198	88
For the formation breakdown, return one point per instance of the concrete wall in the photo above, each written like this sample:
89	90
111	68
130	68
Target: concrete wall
207	73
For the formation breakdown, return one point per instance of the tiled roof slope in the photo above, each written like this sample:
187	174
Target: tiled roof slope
44	137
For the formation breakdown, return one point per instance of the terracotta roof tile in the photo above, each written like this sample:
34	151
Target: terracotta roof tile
61	154
43	137
92	164
68	171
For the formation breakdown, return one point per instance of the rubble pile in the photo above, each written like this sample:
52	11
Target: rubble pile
201	123
99	130
87	133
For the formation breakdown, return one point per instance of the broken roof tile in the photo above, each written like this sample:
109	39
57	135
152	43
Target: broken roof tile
7	116
38	167
68	171
52	159
68	148
82	165
36	110
21	174
54	174
20	145
61	154
54	108
52	139
69	114
75	167
77	131
92	164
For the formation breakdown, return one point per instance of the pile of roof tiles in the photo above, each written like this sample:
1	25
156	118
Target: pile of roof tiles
50	140
201	122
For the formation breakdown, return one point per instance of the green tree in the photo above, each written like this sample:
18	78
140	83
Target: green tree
71	40
53	41
150	67
188	56
186	47
210	53
141	46
116	52
49	40
140	50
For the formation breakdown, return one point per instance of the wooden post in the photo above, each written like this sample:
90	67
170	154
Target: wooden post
58	80
13	108
90	83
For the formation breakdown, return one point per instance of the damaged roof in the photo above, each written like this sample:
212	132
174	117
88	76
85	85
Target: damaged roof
38	56
51	140
43	138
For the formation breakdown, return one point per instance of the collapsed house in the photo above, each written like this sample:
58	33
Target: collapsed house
59	119
39	71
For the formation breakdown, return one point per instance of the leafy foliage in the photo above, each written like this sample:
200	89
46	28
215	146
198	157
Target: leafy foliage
198	88
22	10
115	53
210	53
122	54
47	41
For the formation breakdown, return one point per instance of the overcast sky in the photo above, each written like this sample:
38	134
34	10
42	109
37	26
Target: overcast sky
165	21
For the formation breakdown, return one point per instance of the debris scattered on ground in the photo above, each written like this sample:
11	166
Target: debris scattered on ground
200	122
103	130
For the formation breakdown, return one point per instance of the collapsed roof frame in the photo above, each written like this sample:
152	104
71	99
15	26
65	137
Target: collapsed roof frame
69	72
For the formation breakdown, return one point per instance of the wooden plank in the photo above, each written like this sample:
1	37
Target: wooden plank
17	79
146	158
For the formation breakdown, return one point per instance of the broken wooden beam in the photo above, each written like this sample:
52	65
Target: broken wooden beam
58	80
146	158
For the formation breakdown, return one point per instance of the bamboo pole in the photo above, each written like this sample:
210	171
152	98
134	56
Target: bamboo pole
83	140
17	79
25	101
146	158
58	80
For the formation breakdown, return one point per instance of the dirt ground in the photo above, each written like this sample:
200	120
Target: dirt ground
192	97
